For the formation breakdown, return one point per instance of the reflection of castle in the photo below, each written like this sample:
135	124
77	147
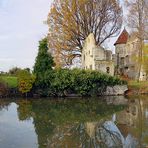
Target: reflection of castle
133	120
124	62
113	133
131	114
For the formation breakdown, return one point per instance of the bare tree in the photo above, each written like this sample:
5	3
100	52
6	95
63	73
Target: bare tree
71	21
138	22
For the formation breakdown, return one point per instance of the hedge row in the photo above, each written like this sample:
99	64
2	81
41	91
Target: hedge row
59	82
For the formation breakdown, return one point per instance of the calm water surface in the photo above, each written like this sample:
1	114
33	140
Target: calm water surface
110	122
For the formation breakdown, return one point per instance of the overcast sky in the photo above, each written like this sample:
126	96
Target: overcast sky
21	27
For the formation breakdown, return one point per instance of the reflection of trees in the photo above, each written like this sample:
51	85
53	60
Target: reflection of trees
88	135
42	123
54	119
109	137
74	123
24	109
142	125
4	104
102	134
52	114
135	119
130	123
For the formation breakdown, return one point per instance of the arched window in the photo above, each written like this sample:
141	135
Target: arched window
107	69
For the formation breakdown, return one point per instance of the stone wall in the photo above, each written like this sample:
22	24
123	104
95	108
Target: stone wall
115	90
105	66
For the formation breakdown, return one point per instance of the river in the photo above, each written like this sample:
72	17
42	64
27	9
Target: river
103	122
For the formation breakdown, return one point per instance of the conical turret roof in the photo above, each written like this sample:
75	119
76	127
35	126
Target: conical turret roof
122	39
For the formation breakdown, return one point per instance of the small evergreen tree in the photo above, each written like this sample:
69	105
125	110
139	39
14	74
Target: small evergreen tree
44	62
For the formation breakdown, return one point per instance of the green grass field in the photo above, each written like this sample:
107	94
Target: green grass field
140	87
137	85
11	81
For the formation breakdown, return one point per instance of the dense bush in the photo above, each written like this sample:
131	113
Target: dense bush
25	81
14	71
3	88
59	82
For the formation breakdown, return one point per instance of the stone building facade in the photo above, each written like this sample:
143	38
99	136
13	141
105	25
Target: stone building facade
126	53
96	57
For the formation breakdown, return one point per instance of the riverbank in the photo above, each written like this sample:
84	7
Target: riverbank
65	82
10	89
116	90
137	88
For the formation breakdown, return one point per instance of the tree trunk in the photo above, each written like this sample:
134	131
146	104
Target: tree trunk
26	94
140	57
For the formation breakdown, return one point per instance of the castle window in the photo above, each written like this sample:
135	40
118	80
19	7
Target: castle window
127	59
107	69
122	61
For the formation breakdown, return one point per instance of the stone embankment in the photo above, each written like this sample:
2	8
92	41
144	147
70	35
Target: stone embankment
115	90
132	91
109	91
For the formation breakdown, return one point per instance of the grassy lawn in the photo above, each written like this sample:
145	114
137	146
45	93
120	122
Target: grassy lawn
139	86
11	81
136	84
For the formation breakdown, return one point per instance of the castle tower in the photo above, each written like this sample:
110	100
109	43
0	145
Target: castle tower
127	53
88	51
120	51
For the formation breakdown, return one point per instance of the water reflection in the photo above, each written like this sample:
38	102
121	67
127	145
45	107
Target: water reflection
87	123
13	133
93	135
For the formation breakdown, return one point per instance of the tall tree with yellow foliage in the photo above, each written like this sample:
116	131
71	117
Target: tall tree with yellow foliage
137	20
71	21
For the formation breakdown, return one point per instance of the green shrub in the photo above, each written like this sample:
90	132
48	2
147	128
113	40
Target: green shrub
59	82
25	81
3	88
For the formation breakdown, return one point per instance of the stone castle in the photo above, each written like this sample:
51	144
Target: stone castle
96	58
121	63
